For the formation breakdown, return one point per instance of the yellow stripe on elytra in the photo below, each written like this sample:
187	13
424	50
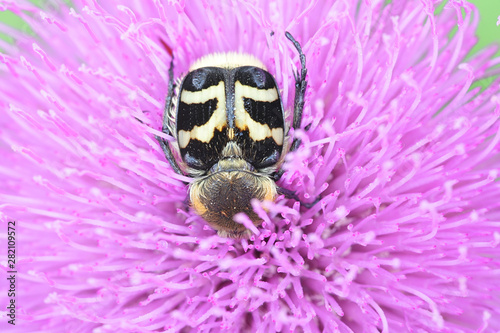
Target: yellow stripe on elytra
218	120
243	121
204	95
258	95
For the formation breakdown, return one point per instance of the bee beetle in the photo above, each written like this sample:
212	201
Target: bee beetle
227	117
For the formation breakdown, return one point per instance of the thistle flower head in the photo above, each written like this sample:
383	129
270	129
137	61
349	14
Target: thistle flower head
402	150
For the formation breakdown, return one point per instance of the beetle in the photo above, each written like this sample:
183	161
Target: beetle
227	118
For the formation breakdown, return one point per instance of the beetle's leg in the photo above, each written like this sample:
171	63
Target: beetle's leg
300	90
168	103
291	195
277	175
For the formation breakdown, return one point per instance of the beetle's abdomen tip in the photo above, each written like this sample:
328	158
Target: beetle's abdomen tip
222	195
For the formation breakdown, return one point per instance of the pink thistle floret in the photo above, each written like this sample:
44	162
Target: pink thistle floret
402	151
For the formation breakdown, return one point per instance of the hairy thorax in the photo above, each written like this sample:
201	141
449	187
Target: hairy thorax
227	190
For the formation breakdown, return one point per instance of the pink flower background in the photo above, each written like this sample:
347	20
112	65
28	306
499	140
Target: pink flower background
403	149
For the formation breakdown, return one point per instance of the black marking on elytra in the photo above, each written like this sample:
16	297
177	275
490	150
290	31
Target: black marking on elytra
260	154
200	155
202	78
196	114
254	77
269	113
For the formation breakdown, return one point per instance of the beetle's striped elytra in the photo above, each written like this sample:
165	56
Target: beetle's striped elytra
228	119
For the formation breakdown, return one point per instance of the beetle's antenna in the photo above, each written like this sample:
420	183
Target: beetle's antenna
167	48
300	90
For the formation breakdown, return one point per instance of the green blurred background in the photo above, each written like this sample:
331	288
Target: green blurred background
488	32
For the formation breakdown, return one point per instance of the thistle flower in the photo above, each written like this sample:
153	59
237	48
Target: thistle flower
402	150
